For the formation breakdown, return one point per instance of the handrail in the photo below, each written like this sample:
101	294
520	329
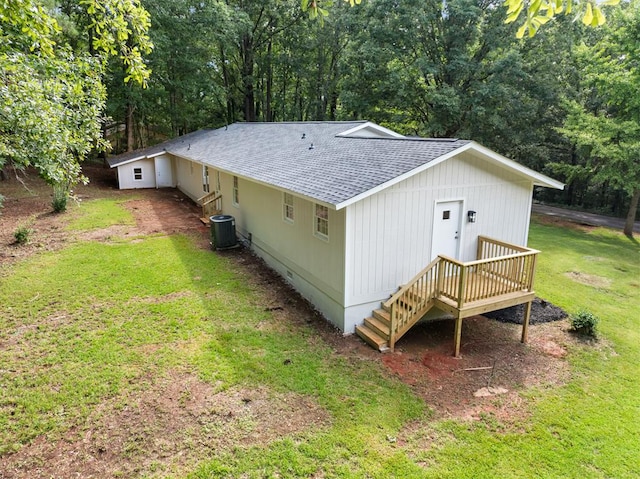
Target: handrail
462	282
209	197
409	284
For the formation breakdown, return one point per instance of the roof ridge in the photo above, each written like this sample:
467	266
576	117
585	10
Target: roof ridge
406	138
310	122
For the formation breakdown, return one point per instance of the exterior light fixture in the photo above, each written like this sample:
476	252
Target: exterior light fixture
471	216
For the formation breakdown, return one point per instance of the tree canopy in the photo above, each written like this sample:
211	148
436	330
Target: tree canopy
51	70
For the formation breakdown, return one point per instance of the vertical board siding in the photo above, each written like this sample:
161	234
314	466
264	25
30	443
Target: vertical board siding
394	227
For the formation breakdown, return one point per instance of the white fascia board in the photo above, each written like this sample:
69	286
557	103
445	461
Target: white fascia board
538	179
402	177
138	158
385	132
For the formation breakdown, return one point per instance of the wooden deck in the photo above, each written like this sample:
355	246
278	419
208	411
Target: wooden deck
501	277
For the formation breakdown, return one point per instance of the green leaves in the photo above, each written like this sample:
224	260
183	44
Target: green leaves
539	12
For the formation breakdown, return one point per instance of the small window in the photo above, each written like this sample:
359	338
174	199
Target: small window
236	194
321	222
446	215
137	174
288	207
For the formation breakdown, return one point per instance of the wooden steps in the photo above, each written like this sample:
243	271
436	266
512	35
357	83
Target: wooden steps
376	330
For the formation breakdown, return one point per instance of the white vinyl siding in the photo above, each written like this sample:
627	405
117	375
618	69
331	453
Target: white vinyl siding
288	211
137	174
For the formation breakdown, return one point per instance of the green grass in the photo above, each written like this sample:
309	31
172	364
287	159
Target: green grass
100	213
591	426
76	326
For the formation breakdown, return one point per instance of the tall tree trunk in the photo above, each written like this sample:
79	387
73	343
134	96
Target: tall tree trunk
227	87
268	114
247	79
129	127
631	215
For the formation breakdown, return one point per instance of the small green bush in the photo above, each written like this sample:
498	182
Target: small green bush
22	234
585	323
60	198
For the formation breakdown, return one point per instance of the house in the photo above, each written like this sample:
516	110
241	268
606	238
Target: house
348	212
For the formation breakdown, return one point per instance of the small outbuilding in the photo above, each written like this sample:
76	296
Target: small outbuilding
349	212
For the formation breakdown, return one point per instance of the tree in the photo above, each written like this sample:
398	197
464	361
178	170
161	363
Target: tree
52	96
605	124
535	12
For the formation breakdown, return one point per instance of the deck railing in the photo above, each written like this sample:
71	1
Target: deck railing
501	268
211	204
410	300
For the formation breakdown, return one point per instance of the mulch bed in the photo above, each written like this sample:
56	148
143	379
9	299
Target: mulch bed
541	312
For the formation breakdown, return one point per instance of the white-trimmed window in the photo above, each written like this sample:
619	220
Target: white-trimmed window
321	221
137	174
236	193
287	207
205	178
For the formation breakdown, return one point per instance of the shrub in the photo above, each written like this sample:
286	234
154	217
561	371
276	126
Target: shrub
585	323
22	234
60	198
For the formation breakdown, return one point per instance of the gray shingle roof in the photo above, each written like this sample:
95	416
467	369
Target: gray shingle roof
335	170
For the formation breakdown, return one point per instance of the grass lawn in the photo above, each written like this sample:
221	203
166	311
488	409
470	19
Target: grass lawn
103	322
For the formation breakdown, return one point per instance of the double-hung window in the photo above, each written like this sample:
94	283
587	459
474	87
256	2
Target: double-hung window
137	174
236	193
287	206
321	221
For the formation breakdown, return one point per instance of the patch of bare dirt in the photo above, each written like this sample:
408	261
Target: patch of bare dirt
28	204
589	279
491	357
564	223
164	428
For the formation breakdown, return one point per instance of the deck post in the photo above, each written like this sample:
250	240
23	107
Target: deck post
392	327
525	322
457	335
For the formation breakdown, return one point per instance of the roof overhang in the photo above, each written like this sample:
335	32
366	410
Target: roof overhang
113	162
537	179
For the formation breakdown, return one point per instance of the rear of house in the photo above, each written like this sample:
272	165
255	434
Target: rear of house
347	211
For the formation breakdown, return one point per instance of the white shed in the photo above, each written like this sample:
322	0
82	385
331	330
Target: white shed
348	212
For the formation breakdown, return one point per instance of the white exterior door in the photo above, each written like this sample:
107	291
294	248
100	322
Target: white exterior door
447	228
164	172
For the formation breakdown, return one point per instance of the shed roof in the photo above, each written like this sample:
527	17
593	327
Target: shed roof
336	163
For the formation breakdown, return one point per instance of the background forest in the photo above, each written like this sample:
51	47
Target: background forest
565	102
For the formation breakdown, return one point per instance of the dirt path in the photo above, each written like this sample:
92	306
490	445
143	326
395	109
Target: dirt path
581	217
